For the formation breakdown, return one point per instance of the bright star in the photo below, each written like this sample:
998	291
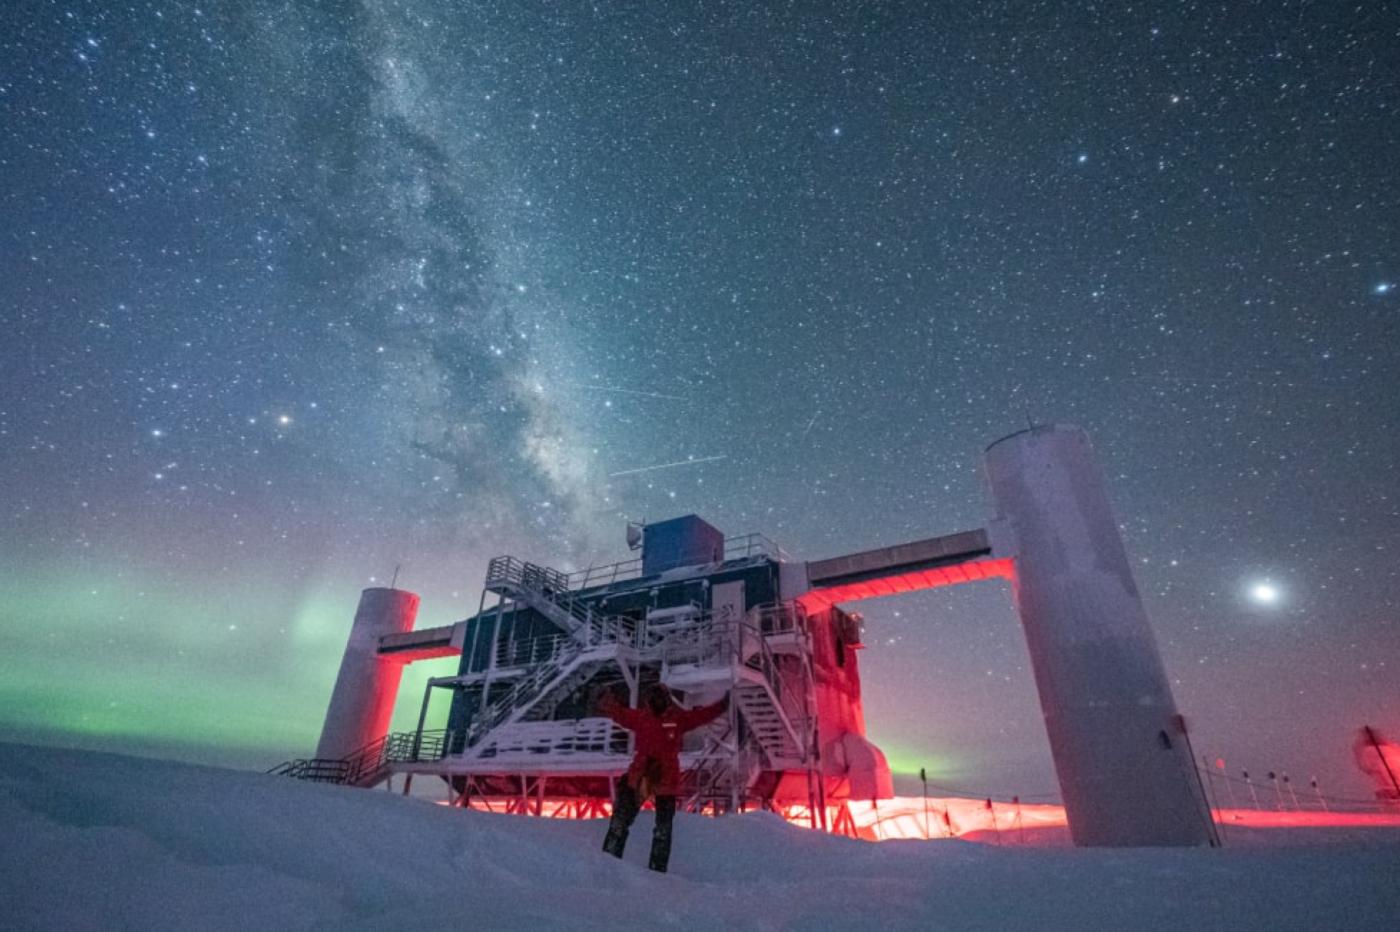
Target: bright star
1264	593
1383	288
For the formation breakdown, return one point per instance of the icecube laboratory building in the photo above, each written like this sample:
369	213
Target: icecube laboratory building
708	614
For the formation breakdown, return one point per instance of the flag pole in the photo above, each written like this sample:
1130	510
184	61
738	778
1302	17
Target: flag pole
923	778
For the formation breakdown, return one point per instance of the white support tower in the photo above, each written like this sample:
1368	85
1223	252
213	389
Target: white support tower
1119	745
368	682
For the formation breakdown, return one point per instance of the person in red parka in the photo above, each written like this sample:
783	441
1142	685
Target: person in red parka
658	724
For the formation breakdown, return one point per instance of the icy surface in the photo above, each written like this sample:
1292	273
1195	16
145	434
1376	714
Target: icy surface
98	841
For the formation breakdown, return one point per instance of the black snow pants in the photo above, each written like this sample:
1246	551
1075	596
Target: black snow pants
625	809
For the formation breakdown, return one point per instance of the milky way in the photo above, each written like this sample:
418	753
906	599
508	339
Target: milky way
294	295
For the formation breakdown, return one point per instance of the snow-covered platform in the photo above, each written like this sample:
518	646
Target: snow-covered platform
98	841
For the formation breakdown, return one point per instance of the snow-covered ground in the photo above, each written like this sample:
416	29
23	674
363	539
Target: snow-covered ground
97	841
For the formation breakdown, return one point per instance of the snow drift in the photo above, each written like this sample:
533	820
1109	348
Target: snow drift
98	841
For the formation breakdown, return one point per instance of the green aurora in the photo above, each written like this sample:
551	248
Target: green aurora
108	659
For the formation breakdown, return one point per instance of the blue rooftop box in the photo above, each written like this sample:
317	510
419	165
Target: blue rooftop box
686	541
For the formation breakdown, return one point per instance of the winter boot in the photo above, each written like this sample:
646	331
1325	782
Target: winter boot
625	806
616	839
660	849
661	836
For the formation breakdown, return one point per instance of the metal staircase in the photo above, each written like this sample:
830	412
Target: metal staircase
544	708
547	592
370	764
527	691
719	777
536	695
702	656
736	655
769	723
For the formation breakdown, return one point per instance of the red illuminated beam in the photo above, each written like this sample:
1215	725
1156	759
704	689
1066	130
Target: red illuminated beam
897	582
422	644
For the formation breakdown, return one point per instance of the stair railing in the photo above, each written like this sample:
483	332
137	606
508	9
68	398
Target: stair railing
369	764
521	691
715	762
548	589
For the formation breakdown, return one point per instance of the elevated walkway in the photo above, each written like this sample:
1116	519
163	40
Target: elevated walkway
920	564
423	643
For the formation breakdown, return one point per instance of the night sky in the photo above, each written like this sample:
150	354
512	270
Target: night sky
293	293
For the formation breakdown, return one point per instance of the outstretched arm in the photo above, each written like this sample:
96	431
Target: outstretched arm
624	716
694	718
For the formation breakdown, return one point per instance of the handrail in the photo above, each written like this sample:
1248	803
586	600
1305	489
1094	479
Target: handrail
542	588
784	616
735	548
731	639
780	617
526	652
709	766
532	684
551	587
512	569
368	764
744	642
498	711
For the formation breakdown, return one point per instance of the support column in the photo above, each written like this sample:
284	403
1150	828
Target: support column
1125	770
363	700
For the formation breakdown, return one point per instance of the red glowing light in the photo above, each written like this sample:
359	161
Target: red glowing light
913	817
913	581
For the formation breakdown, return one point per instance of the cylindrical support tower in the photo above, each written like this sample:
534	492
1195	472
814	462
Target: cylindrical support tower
365	688
1125	768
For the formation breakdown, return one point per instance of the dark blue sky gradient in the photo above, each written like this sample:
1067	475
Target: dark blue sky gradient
292	294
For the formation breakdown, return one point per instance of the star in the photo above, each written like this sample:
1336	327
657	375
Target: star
460	239
1264	593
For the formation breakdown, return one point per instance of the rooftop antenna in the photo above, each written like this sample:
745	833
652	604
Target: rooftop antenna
635	531
1030	422
393	583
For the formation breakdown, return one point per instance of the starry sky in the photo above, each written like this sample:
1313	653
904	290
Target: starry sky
294	294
